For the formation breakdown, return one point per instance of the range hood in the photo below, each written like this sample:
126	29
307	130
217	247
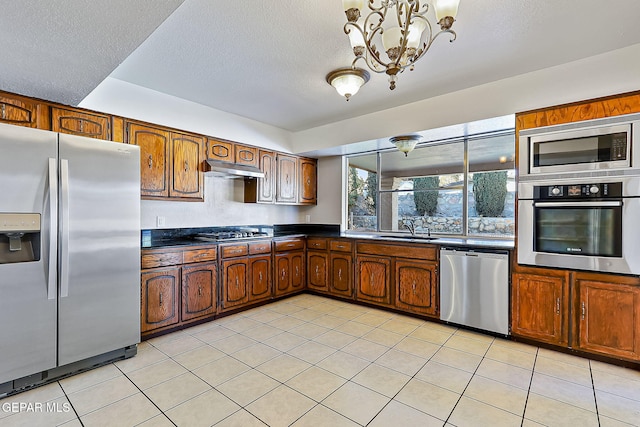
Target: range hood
231	170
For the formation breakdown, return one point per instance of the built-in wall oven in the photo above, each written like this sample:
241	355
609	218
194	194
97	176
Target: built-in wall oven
579	196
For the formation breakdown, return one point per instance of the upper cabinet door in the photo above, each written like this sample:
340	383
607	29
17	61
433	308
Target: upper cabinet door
266	185
286	183
308	182
220	150
15	110
246	155
154	156
81	123
186	152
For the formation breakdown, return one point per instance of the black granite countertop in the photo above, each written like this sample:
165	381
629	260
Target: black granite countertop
161	238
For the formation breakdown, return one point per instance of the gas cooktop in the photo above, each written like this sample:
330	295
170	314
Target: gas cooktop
230	235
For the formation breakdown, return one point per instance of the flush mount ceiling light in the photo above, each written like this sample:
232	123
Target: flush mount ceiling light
406	36
405	143
347	81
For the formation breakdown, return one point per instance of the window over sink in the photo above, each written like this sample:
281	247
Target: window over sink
459	187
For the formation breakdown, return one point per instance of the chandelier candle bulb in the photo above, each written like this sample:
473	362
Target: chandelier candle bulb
446	11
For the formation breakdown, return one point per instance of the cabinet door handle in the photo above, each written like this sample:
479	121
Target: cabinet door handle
297	271
199	291
584	310
150	161
4	111
260	276
81	125
237	283
317	270
283	273
186	166
160	298
413	288
340	274
371	277
286	179
558	305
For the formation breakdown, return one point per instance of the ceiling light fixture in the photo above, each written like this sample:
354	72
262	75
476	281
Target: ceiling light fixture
405	143
347	81
406	36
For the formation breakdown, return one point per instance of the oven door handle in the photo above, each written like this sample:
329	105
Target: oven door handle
577	204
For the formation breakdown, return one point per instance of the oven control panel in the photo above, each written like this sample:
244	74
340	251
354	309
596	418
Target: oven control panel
579	191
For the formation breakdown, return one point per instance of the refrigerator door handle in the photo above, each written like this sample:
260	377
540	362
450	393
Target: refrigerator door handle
53	224
64	224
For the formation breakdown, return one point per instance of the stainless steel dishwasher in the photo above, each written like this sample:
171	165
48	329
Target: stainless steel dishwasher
474	288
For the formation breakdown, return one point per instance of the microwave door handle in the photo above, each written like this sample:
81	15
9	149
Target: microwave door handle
53	228
577	204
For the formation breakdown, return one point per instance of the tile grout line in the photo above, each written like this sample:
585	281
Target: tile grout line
470	379
533	370
595	396
70	403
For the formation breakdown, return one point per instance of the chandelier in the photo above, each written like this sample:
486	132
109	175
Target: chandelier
403	28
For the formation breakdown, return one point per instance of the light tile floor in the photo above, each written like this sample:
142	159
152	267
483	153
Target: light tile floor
313	361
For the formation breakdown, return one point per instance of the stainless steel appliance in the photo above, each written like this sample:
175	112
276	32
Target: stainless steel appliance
580	223
596	145
474	288
69	254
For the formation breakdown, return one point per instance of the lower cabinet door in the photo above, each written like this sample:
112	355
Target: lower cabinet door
297	271
234	283
160	298
341	282
608	318
317	273
260	278
374	279
199	283
416	286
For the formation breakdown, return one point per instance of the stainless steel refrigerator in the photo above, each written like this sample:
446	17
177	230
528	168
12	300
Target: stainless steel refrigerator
69	254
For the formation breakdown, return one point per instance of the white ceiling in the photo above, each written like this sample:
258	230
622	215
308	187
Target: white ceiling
267	61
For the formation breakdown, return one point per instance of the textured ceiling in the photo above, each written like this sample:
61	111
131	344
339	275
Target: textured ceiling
60	50
267	61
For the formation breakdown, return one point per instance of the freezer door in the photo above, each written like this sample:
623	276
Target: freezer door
28	289
99	247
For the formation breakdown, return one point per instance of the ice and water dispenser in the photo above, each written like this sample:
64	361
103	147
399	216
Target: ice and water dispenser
19	237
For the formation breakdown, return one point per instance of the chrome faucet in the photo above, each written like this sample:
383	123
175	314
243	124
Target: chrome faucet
409	224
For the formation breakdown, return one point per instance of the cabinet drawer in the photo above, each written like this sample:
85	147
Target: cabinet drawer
341	245
289	245
426	252
198	255
232	251
160	259
259	248
316	243
246	155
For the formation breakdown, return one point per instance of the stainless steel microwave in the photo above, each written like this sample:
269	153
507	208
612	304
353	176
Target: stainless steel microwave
594	145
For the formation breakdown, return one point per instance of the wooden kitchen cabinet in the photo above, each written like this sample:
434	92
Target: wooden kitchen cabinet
79	122
539	305
178	287
373	278
286	179
199	285
341	267
246	155
234	283
160	298
417	286
260	278
154	159
186	156
169	163
260	271
607	315
262	190
289	266
308	185
21	111
223	151
317	271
